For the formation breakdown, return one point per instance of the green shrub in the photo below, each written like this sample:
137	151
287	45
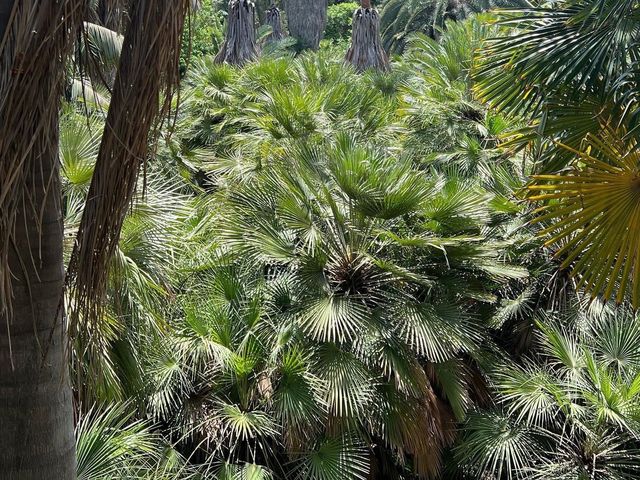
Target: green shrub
205	34
339	20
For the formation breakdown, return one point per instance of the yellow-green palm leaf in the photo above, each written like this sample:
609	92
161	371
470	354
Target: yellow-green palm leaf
592	214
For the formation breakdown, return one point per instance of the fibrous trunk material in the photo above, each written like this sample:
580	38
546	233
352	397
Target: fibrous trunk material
366	51
148	70
36	409
273	18
111	14
307	20
239	46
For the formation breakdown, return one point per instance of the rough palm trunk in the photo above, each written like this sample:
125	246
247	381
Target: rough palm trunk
273	18
366	49
239	46
307	20
36	413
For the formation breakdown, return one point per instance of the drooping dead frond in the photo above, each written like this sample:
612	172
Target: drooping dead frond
366	44
112	14
239	46
148	68
274	20
38	36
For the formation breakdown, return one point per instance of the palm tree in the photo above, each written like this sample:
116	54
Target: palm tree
570	412
36	405
37	440
401	18
239	45
366	49
103	357
111	443
306	21
274	20
582	131
266	345
337	256
128	126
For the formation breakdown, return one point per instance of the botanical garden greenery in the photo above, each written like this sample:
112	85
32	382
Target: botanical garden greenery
328	275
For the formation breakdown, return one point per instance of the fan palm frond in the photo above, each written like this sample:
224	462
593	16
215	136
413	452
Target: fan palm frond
110	444
591	215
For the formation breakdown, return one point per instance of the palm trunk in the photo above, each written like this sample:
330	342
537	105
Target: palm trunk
36	413
274	20
307	21
366	51
36	439
239	45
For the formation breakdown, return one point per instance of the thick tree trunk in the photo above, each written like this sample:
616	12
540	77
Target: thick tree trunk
273	18
366	51
239	45
307	20
36	413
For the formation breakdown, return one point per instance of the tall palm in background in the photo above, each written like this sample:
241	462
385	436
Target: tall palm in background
366	45
239	45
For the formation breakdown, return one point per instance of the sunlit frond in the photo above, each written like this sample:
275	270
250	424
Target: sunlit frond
592	216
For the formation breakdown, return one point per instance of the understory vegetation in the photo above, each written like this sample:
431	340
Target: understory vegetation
334	275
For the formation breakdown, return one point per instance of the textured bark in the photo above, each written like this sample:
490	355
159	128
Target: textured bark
366	49
36	413
273	18
239	46
307	20
36	437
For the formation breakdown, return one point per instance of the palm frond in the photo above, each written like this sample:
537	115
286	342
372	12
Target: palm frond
591	215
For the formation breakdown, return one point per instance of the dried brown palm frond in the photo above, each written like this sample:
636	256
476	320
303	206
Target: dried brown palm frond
37	38
274	20
366	49
148	69
239	46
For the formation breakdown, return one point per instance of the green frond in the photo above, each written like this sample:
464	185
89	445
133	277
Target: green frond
339	458
111	444
494	445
